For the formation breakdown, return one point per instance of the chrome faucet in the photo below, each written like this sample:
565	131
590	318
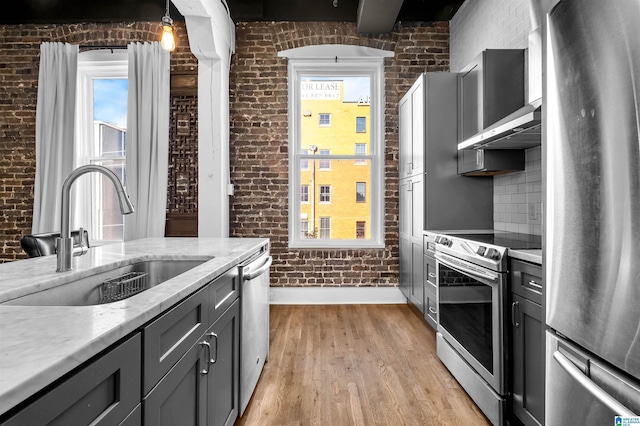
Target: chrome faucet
64	244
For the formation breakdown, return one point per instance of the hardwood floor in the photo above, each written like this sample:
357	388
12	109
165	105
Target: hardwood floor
355	365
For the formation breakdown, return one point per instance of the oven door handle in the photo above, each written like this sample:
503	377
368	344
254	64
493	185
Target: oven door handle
473	273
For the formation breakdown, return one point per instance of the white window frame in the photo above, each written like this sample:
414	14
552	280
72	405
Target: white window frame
323	115
330	60
323	163
302	191
364	152
324	196
325	220
95	64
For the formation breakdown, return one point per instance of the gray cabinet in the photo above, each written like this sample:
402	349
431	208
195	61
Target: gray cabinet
431	193
527	342
103	392
192	358
223	379
430	283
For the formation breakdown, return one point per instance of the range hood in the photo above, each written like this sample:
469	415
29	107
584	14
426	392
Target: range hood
519	130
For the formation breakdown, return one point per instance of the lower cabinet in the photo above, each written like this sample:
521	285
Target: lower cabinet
223	378
201	388
104	392
527	343
192	359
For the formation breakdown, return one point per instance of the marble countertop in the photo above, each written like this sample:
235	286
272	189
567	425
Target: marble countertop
528	255
39	344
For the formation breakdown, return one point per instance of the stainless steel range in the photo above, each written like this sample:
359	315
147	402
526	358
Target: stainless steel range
471	272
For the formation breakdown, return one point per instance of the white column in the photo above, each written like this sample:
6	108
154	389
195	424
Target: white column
212	40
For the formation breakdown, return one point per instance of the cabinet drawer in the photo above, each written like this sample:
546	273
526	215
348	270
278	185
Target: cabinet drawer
168	338
102	393
430	271
526	280
222	292
430	308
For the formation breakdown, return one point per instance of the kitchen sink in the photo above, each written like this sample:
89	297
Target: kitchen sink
110	286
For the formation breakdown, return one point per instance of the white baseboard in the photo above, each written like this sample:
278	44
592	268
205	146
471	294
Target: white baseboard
335	295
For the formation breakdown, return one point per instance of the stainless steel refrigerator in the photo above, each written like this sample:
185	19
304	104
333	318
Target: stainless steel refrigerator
592	240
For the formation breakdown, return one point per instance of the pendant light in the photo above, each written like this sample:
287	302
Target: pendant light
168	39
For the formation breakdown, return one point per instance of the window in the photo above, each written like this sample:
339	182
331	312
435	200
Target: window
304	163
361	188
304	194
360	229
304	229
334	90
325	228
324	120
324	164
325	194
361	149
101	126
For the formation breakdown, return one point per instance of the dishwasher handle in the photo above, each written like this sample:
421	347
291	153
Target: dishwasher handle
261	270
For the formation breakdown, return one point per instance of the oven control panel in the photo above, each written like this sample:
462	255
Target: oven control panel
485	254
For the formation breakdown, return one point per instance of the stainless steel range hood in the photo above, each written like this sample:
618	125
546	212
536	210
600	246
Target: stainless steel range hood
519	130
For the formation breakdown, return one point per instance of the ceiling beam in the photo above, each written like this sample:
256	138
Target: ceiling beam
377	16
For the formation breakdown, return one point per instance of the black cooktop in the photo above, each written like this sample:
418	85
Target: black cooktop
510	240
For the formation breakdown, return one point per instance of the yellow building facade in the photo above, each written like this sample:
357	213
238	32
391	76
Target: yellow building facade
335	194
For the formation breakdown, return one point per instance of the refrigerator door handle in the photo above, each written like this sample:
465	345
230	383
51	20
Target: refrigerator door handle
590	386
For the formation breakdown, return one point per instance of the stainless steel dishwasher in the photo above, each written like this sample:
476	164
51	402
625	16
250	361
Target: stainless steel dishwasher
254	323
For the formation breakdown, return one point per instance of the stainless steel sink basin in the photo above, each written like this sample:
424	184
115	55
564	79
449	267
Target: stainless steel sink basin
108	286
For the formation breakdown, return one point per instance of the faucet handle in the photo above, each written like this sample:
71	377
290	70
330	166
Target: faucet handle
80	249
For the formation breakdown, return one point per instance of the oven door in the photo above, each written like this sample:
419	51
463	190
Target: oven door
471	313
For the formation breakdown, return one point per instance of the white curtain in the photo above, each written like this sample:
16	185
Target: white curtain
147	140
55	111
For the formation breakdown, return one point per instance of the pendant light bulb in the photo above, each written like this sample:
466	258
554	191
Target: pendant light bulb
168	39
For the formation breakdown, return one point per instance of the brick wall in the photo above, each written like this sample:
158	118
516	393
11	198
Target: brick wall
259	143
19	61
259	136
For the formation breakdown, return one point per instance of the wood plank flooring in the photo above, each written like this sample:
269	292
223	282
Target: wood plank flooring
344	365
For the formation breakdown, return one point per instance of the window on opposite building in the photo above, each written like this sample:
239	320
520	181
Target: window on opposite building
325	194
304	194
319	85
324	163
360	229
361	150
304	229
324	120
325	228
361	190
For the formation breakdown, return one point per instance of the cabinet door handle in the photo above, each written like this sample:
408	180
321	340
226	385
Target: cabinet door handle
515	314
433	311
215	336
208	346
432	275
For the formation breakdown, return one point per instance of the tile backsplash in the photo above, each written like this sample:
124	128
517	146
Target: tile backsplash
517	197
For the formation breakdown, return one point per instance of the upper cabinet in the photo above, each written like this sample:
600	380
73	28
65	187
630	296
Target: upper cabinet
412	131
493	113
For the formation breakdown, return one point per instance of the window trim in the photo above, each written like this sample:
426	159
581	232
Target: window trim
333	60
